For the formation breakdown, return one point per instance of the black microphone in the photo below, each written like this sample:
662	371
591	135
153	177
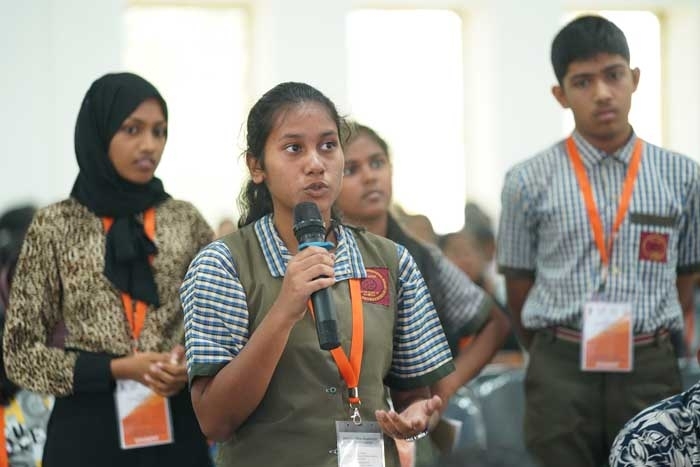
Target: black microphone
309	231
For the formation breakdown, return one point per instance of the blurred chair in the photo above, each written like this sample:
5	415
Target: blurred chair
465	408
491	408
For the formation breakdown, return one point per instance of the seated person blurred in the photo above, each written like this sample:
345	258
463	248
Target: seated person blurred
13	226
465	251
478	225
24	414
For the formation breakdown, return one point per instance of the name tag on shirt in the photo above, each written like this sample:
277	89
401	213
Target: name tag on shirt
360	445
143	416
607	343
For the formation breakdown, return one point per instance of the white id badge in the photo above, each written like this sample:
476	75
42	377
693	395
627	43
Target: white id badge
606	341
143	416
360	445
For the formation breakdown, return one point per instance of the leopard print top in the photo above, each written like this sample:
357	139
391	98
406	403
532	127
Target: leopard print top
59	277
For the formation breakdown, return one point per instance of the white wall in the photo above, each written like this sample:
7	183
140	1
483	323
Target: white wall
51	50
510	111
681	53
300	40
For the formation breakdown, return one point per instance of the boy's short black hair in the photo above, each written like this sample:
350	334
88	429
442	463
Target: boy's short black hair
586	37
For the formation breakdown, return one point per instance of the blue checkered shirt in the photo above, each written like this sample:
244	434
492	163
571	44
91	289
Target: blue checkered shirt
466	306
216	311
545	233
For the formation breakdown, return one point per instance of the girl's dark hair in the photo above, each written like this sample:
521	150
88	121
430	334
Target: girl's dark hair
255	201
478	224
357	129
584	38
13	226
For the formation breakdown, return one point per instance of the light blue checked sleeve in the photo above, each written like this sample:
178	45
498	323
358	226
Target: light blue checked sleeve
517	236
421	353
689	235
216	312
467	306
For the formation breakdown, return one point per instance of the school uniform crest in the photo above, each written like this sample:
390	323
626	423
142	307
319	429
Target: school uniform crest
653	246
375	287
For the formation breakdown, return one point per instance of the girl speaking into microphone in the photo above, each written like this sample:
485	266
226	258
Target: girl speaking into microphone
260	383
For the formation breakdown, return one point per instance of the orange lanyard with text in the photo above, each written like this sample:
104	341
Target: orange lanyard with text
350	367
604	248
135	310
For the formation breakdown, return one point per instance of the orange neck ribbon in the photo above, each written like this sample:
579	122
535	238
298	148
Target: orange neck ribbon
135	310
349	368
584	183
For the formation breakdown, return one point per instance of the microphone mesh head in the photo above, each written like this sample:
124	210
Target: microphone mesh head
308	223
306	211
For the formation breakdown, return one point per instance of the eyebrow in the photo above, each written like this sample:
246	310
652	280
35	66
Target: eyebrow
143	122
371	157
606	69
376	156
325	134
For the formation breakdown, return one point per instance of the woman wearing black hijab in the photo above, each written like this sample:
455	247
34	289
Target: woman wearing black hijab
108	261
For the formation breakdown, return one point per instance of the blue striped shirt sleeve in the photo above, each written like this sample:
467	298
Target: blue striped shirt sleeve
421	354
216	311
517	239
689	235
467	306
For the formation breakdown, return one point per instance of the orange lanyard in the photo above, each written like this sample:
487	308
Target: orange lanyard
135	310
593	214
350	368
4	461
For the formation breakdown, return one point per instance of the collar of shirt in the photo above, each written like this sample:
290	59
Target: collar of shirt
348	261
593	156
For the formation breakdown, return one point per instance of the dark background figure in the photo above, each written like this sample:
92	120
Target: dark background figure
13	227
472	322
24	414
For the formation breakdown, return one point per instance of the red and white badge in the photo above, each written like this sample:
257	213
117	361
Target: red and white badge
653	247
375	287
606	341
143	415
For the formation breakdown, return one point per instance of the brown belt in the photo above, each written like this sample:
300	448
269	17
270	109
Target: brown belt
572	335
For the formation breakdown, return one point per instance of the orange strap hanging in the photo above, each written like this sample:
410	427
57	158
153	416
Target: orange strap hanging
350	368
4	461
625	198
135	310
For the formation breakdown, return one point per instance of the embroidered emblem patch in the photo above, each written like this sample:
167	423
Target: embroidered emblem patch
653	246
375	287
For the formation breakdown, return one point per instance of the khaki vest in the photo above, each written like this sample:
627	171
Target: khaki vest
294	425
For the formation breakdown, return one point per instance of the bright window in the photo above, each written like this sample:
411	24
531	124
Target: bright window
405	80
643	32
198	59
